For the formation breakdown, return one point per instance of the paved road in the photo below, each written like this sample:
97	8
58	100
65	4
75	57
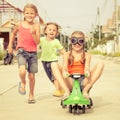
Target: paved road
105	95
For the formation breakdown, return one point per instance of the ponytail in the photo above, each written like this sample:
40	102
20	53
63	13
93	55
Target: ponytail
83	56
40	20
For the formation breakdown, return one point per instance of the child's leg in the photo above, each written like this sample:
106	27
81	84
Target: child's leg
95	75
22	74
59	91
32	69
47	68
22	70
57	85
31	77
58	75
69	82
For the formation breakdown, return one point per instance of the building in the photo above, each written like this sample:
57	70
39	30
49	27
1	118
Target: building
9	14
112	23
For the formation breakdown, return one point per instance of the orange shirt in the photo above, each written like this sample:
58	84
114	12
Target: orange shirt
77	67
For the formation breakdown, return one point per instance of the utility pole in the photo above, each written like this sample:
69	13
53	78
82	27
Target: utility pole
98	13
92	41
116	25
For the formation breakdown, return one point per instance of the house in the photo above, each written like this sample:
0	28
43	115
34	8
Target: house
8	15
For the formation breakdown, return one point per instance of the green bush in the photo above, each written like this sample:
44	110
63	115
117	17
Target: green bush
117	54
2	54
97	52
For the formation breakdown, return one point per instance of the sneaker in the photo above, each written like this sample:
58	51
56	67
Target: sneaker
62	91
58	93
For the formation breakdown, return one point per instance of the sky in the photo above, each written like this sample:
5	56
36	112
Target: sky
72	14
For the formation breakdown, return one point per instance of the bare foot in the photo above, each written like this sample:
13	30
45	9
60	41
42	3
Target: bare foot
86	95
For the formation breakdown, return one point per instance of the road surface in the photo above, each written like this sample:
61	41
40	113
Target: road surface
105	94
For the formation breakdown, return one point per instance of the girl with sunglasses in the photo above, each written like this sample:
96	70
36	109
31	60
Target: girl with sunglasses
78	61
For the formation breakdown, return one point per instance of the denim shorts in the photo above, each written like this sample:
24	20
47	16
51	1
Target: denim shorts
29	59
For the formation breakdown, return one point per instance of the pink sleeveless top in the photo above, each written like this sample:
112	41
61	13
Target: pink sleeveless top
25	40
77	67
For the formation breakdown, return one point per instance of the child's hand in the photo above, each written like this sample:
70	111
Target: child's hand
65	74
10	50
87	73
32	30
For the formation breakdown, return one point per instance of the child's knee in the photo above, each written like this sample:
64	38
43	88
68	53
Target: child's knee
31	76
53	64
100	65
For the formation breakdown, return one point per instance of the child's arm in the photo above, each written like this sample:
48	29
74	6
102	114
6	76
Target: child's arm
62	51
87	63
65	64
35	31
12	38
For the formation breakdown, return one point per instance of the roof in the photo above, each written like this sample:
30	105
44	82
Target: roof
8	23
7	7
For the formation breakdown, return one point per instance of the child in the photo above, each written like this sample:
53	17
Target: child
78	61
28	39
50	46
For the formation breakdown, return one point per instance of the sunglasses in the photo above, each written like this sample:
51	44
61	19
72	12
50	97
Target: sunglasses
75	41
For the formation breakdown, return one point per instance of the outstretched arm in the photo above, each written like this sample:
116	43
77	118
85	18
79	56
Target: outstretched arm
87	63
12	38
65	64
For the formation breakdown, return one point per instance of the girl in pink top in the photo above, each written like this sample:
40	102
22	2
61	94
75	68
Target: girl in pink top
28	37
25	39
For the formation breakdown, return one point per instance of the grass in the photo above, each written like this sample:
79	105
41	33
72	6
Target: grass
2	54
97	52
117	54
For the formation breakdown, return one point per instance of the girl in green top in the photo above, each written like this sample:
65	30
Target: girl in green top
50	46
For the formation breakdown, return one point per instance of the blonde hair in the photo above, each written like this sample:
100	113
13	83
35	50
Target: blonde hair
78	32
51	23
71	57
29	5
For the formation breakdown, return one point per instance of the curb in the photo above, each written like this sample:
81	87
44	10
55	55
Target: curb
7	89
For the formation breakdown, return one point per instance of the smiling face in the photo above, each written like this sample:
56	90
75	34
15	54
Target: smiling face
29	14
51	31
77	41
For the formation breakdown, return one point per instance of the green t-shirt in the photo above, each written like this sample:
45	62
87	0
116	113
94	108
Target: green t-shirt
49	49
